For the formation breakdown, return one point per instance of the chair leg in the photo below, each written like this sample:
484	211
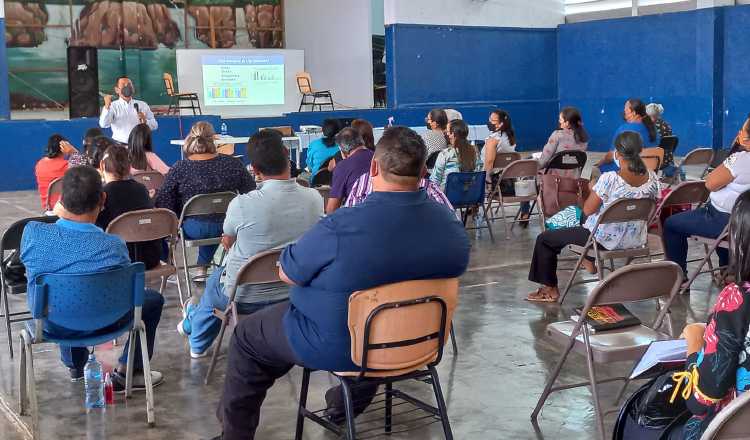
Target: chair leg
186	269
129	367
389	406
551	380
569	284
302	404
23	401
453	340
6	317
489	225
217	344
351	430
146	375
441	403
592	379
31	386
505	221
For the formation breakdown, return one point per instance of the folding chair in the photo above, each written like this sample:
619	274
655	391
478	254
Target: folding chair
150	225
86	303
284	130
653	163
621	211
731	422
54	189
152	180
634	283
699	157
465	191
176	98
325	192
519	169
260	269
398	332
304	84
710	245
10	243
200	205
669	144
686	193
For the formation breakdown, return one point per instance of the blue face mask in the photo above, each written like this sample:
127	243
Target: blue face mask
617	162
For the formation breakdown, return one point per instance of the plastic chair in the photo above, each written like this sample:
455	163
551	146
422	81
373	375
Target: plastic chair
260	269
398	332
465	191
623	210
176	98
86	303
152	180
304	84
519	169
202	204
731	422
652	281
11	243
698	157
150	225
54	189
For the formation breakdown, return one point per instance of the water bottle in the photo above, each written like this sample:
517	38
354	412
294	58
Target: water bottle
109	390
223	128
94	383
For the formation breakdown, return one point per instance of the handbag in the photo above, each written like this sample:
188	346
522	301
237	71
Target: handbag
559	192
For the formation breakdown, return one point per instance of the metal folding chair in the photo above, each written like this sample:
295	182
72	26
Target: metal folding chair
86	303
465	191
10	244
687	193
623	210
398	332
260	269
519	169
700	157
200	205
634	283
710	245
150	225
54	189
731	422
152	180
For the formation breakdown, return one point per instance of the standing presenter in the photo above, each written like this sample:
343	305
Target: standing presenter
125	113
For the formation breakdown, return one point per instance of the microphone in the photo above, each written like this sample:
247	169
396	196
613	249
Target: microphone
135	104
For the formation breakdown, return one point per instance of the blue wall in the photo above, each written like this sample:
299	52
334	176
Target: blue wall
736	93
663	58
483	67
4	96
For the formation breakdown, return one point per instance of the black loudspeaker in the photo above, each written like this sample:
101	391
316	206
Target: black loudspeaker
83	82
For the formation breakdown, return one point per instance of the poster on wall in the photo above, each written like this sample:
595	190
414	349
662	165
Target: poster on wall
134	38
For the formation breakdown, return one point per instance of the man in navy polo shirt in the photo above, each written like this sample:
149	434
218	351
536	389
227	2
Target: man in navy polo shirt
396	234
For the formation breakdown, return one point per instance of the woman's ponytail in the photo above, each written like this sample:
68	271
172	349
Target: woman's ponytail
629	144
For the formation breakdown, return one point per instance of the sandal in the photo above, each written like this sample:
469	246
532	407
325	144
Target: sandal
541	296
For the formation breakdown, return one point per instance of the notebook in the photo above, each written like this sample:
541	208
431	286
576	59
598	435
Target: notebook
661	356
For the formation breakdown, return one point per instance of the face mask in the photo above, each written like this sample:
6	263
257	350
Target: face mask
427	124
617	162
491	126
127	91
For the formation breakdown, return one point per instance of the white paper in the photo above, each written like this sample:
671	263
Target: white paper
660	351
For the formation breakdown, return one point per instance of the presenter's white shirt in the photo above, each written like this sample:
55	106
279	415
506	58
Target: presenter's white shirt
122	117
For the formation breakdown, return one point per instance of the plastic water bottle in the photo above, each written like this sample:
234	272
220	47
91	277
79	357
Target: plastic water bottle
109	391
94	383
224	129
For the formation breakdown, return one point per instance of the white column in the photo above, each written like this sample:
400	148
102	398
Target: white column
714	3
635	8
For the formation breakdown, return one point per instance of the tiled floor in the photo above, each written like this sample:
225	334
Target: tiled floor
491	386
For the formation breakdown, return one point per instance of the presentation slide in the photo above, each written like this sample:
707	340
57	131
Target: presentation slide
243	80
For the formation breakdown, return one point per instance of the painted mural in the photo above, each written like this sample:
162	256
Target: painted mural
135	38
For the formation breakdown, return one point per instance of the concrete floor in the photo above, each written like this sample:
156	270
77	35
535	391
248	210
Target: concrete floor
491	386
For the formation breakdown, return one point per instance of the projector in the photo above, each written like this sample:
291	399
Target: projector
309	129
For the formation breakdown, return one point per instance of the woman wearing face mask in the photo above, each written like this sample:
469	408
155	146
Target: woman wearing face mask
460	156
726	183
502	138
638	121
633	180
434	139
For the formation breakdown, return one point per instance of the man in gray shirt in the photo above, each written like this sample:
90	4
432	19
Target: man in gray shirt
270	217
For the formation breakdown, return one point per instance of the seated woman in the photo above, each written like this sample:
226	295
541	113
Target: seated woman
726	183
125	195
87	156
437	123
571	136
502	138
634	181
203	171
718	361
365	130
461	156
52	166
141	149
320	150
636	120
656	113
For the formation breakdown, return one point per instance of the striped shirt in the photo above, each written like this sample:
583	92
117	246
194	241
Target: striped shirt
363	187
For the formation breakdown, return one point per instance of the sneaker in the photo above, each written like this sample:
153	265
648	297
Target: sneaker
198	355
183	327
76	375
139	382
172	279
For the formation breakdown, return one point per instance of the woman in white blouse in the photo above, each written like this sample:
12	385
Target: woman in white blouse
502	138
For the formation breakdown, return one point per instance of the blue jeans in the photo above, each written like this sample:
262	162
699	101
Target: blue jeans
76	357
706	222
202	326
197	229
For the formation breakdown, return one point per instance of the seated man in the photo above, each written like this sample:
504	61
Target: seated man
357	158
396	234
73	245
270	217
